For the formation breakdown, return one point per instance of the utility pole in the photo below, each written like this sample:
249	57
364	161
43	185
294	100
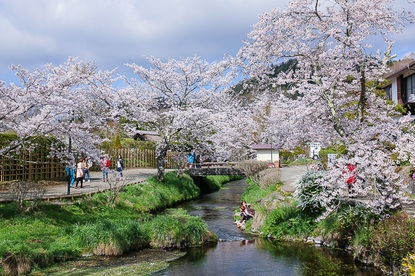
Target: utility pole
70	169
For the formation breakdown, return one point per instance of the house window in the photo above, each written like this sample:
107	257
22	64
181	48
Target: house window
410	87
388	91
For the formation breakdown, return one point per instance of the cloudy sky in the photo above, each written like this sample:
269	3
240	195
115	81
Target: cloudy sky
114	32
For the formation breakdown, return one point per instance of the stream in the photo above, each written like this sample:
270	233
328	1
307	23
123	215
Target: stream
238	253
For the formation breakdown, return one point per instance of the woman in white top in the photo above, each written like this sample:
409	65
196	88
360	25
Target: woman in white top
79	173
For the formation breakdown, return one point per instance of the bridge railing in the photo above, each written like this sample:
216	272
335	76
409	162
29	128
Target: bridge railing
216	164
214	168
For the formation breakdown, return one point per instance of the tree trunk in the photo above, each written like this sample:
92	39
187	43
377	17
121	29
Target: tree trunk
161	157
363	98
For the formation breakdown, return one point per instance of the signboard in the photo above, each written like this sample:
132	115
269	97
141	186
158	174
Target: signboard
315	148
331	158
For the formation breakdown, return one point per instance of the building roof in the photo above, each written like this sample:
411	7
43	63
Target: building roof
264	147
399	67
144	135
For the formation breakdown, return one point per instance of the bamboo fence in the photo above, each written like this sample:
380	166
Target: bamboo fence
140	158
35	165
30	165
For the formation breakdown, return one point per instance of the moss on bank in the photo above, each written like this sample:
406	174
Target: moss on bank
58	233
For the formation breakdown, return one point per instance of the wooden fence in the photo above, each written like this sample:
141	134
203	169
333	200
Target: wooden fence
140	158
36	165
30	165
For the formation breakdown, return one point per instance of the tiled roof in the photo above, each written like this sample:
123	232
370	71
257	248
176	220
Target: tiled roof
400	66
264	147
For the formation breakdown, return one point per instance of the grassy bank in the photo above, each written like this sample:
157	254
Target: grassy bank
387	243
97	225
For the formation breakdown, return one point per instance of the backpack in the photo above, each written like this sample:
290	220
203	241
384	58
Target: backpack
107	164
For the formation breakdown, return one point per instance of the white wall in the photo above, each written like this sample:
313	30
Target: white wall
394	90
265	155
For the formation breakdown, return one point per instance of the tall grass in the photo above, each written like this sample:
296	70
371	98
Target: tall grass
111	237
176	229
54	233
288	221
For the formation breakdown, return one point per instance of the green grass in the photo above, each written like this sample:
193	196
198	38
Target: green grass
54	233
253	192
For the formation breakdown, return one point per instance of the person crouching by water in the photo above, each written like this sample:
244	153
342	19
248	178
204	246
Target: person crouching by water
242	208
246	213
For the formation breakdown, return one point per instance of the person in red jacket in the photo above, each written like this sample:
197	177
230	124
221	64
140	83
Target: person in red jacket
351	178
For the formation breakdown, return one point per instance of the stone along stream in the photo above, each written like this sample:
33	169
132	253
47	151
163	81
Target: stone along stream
238	253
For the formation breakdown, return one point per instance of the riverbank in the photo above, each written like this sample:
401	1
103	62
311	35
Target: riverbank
104	224
387	242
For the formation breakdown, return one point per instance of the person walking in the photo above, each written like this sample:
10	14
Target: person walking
87	163
190	160
70	173
197	160
79	174
120	166
105	164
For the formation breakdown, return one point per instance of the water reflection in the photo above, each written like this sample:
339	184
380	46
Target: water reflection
242	254
263	257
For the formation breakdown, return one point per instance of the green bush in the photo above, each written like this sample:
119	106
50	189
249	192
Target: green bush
392	240
301	162
352	220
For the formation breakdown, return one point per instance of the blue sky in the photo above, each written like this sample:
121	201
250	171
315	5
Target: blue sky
114	32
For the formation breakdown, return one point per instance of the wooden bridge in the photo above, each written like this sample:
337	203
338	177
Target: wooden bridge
214	168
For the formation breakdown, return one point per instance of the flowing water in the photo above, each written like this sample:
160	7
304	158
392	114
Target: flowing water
240	254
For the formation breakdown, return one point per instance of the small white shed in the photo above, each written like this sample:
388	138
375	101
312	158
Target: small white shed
268	153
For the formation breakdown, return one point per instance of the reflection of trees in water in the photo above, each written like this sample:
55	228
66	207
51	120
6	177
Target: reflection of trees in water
315	260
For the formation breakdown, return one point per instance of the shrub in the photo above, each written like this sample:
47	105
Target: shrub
21	190
301	162
252	167
308	192
408	264
268	177
351	221
393	239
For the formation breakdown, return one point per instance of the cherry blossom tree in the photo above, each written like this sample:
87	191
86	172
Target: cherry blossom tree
174	98
67	103
234	128
330	94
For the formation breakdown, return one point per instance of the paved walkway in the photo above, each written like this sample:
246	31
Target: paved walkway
96	185
290	176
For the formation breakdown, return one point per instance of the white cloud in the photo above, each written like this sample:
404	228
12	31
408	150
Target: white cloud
114	32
